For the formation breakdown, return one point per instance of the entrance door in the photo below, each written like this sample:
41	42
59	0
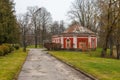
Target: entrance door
82	46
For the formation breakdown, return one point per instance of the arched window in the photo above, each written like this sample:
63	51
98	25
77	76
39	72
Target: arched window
68	43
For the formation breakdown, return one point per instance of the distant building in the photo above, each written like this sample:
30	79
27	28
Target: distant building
76	37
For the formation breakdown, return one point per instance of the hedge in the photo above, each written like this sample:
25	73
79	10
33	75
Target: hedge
52	46
7	48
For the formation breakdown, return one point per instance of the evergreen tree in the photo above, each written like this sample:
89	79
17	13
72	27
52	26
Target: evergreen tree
8	26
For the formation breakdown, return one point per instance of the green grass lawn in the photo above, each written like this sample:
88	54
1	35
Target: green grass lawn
33	46
10	64
90	62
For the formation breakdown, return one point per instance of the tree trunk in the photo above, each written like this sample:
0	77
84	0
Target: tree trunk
35	40
118	51
104	50
111	46
43	33
111	50
35	34
24	49
106	41
24	41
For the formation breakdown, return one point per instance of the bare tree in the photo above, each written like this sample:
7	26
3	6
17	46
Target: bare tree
62	27
116	33
23	21
85	12
109	16
45	22
40	18
33	14
57	27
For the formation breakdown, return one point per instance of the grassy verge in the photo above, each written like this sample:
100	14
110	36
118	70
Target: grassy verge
101	68
11	64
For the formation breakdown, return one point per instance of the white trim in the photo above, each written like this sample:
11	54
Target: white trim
89	41
75	41
96	42
61	42
68	37
82	37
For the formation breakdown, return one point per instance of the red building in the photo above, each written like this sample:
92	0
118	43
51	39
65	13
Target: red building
76	37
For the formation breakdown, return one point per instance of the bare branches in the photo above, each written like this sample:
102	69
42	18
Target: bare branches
84	12
40	18
109	17
23	21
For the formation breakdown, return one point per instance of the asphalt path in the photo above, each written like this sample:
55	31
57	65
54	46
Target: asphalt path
41	66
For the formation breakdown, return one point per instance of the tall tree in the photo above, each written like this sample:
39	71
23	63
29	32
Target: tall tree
23	21
57	27
45	22
85	12
40	18
116	32
33	14
108	18
8	25
62	27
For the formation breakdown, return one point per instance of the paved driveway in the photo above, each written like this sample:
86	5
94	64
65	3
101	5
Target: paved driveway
41	66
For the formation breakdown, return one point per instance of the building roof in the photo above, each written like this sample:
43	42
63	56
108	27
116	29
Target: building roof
56	36
77	29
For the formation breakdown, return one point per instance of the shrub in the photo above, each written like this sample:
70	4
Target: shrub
5	49
56	46
16	46
1	51
11	48
52	46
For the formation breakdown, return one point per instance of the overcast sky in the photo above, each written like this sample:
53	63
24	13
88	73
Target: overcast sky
58	8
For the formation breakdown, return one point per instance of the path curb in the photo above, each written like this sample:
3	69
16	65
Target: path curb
84	73
16	76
